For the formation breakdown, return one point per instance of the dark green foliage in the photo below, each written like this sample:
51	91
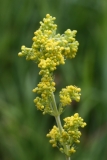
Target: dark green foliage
23	129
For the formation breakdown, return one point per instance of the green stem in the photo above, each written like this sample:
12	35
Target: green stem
57	117
56	113
58	121
54	105
68	158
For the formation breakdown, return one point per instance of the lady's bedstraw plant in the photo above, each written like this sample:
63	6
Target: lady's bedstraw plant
49	50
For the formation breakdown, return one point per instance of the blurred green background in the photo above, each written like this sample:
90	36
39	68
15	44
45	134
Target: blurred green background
23	129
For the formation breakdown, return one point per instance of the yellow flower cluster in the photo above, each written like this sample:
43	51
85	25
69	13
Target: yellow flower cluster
55	136
69	135
45	88
68	94
49	50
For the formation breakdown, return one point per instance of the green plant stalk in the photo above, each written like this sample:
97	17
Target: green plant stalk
58	121
68	158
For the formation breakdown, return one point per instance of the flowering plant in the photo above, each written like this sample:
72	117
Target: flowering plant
49	50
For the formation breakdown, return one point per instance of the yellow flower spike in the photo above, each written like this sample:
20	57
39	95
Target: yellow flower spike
50	50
